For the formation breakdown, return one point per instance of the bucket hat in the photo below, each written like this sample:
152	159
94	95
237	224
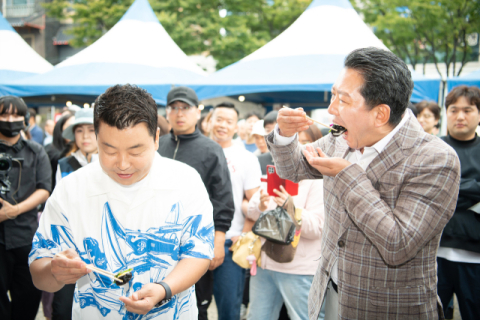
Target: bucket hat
82	116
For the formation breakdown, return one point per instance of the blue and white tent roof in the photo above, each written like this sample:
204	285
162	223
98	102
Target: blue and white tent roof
308	56
471	79
137	50
17	59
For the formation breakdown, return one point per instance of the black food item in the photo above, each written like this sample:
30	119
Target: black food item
125	276
339	130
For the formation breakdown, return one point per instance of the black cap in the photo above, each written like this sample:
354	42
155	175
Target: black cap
183	94
270	118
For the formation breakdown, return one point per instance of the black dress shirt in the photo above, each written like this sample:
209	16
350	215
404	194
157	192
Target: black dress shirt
33	174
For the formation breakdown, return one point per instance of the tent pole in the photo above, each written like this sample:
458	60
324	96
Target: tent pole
441	103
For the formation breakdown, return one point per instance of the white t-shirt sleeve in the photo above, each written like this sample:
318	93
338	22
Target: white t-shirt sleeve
197	214
54	233
281	140
253	173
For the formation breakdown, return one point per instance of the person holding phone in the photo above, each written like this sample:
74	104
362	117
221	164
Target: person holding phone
289	283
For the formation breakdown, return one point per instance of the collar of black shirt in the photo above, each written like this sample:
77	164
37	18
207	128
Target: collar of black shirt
16	147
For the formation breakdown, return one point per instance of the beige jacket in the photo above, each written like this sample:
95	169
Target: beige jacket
383	224
309	247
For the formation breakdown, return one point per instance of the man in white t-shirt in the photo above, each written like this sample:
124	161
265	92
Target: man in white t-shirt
245	174
131	210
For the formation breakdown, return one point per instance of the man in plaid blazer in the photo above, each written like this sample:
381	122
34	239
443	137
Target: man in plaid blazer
389	190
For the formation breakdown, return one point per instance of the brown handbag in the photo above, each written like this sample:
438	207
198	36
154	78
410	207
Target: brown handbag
284	253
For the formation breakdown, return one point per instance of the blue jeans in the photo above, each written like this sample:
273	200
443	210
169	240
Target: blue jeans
228	283
270	289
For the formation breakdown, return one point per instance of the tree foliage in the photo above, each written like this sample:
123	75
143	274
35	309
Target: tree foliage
91	18
422	31
195	25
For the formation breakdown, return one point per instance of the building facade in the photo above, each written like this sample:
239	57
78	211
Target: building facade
44	34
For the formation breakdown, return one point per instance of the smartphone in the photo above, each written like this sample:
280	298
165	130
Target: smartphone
274	182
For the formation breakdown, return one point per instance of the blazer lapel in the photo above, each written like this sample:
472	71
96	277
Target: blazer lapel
341	148
341	151
395	151
389	157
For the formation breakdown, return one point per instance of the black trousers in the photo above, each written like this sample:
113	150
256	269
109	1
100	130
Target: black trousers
204	293
62	303
246	290
463	279
15	277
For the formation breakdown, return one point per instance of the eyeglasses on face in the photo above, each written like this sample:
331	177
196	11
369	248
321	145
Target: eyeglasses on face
184	109
425	115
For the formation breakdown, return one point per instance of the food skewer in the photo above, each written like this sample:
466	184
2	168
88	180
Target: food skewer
323	124
98	270
105	273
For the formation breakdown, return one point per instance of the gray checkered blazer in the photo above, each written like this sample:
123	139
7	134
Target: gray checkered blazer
383	224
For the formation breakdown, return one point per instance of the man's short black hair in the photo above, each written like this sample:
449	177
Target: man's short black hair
253	114
228	105
387	80
124	106
19	107
270	118
472	94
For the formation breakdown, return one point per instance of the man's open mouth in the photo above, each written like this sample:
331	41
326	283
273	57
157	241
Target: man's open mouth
337	130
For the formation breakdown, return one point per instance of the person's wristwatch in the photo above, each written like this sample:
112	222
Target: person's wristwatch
168	294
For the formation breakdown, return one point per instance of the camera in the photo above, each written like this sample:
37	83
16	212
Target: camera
5	167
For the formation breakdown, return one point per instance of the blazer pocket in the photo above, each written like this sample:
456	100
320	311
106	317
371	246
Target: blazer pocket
398	296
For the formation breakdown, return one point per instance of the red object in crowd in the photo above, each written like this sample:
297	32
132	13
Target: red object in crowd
56	117
274	182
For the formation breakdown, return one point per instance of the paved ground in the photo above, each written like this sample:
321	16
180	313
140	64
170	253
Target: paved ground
212	311
456	313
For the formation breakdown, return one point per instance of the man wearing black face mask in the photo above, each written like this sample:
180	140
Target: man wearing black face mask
29	180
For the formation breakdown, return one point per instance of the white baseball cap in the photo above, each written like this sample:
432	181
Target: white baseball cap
258	128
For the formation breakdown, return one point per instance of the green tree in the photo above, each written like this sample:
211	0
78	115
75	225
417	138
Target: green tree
421	31
197	26
91	18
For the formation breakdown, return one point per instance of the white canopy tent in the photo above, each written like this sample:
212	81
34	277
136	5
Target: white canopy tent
17	59
304	61
137	50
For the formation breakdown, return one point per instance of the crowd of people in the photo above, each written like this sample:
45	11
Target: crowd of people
387	213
